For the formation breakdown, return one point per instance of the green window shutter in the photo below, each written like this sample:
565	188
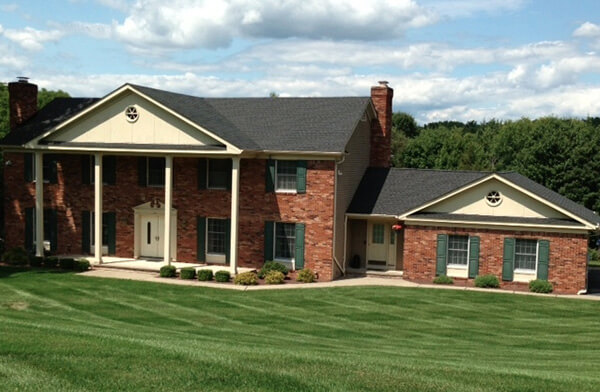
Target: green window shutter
301	177
109	169
270	176
227	240
110	219
28	163
29	229
142	171
202	173
201	238
473	257
85	232
86	169
51	164
543	259
442	251
269	232
508	264
51	229
299	255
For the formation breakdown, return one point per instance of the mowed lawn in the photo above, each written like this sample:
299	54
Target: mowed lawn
64	332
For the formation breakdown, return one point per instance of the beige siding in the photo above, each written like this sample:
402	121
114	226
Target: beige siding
349	174
108	124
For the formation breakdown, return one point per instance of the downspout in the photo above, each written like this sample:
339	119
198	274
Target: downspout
335	197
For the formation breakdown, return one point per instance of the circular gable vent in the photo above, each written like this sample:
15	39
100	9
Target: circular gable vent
131	114
493	198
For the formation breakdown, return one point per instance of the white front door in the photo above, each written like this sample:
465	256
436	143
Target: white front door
152	235
377	245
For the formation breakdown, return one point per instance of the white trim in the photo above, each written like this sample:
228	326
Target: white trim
291	260
168	206
499	225
98	186
285	190
461	266
208	160
219	258
235	214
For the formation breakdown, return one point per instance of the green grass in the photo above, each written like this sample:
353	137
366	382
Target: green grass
63	332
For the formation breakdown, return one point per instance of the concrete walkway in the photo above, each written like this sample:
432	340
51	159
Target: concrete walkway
348	282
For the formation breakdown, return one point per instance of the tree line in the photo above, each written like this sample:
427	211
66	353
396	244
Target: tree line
562	154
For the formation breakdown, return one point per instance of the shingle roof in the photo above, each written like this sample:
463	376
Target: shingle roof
495	219
262	124
397	191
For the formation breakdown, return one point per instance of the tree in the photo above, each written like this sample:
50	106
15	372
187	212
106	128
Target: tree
405	123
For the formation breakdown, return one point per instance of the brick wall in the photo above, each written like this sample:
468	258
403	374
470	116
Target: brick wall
70	197
568	255
381	127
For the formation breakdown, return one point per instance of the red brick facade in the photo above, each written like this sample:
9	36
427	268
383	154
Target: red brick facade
568	255
22	102
70	197
381	127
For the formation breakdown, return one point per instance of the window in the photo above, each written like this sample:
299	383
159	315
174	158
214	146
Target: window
50	229
131	114
216	235
525	254
105	230
458	250
392	236
156	172
49	168
493	198
285	240
109	169
378	233
218	173
285	179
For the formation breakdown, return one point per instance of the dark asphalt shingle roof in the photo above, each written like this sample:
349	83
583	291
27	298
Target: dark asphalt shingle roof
397	191
272	124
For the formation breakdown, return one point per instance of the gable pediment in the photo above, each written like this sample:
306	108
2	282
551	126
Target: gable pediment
108	124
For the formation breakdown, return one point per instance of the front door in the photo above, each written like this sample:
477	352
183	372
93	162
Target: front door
152	236
377	245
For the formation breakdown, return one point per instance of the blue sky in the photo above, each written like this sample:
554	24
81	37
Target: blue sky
447	60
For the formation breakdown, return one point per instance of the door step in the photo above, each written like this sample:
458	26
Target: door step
385	274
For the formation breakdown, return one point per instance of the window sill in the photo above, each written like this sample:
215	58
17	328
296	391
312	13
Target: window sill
457	266
524	271
286	191
216	189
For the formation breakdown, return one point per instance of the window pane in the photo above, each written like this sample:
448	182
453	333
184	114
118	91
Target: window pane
156	171
215	240
458	249
218	173
286	175
378	233
285	240
525	254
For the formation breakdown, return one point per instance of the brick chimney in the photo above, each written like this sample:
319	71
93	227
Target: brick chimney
381	127
22	101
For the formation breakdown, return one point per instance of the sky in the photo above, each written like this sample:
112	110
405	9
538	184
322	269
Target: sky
446	60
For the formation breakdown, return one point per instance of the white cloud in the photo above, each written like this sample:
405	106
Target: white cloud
11	7
467	8
32	39
587	29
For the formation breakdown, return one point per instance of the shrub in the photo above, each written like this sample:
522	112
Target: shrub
67	264
272	266
487	281
168	271
187	273
16	256
246	278
82	265
306	275
51	262
274	277
443	279
222	276
36	261
205	275
540	286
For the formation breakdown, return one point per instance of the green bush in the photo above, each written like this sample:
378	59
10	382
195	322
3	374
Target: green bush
67	264
487	281
36	261
443	279
187	273
16	256
540	286
246	278
222	276
82	265
274	277
51	262
306	275
594	257
168	271
205	275
272	266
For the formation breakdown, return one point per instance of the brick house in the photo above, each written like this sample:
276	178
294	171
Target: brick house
150	174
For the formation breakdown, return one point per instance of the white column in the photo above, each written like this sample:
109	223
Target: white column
235	212
98	208
39	204
168	205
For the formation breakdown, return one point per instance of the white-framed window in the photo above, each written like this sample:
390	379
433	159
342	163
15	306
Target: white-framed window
155	174
104	233
217	171
285	241
526	255
48	165
458	250
392	236
378	233
216	236
285	176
